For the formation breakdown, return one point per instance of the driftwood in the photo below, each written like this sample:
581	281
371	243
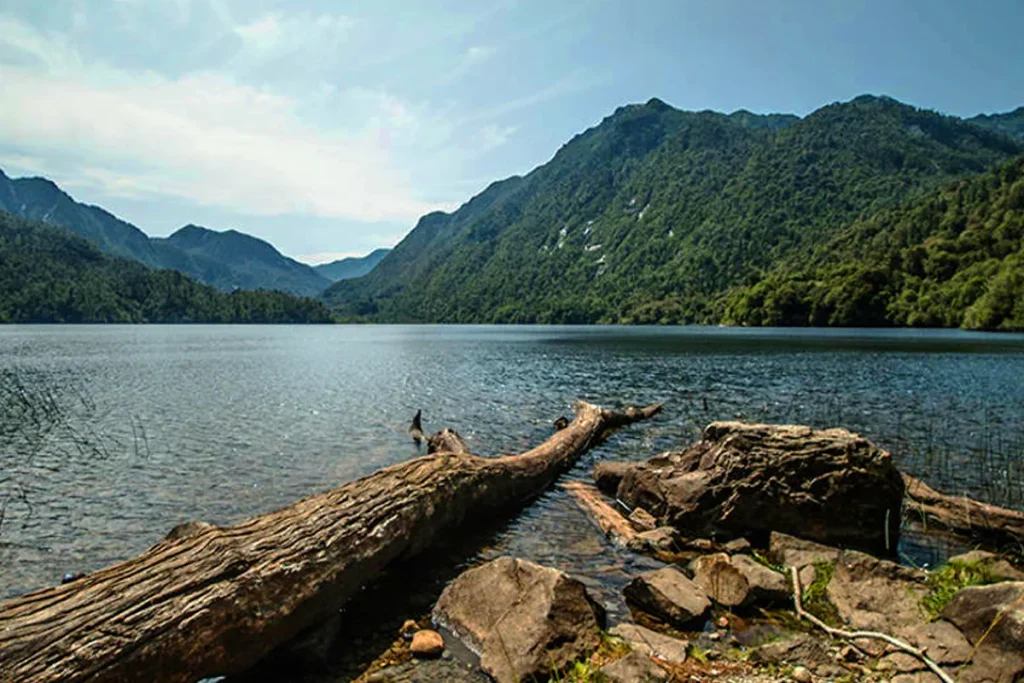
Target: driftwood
961	515
611	522
210	600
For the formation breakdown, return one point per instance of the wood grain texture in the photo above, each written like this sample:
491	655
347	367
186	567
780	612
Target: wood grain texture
211	600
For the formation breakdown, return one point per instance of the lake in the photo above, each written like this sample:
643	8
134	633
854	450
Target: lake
151	426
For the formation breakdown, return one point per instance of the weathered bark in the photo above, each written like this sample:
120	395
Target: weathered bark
215	600
993	525
611	522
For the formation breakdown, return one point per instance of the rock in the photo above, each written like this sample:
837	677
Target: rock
426	671
739	580
667	594
996	567
997	613
766	585
607	475
663	538
702	545
633	668
427	644
798	649
801	674
737	546
876	595
720	580
790	551
723	622
521	617
651	643
643	520
830	486
409	628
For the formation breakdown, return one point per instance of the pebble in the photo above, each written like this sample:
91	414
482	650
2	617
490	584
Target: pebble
802	674
427	644
408	629
723	622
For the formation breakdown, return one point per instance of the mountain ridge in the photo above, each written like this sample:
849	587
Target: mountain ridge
663	211
38	198
351	266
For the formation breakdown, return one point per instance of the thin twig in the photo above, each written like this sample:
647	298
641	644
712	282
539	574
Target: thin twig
853	635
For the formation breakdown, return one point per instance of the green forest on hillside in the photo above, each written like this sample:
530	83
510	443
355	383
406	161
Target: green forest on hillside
49	275
663	216
952	259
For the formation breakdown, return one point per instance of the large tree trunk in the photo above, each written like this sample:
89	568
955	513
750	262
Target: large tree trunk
995	526
209	600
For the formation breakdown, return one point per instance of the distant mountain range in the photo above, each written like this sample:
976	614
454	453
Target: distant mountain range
227	260
50	275
658	215
867	212
351	267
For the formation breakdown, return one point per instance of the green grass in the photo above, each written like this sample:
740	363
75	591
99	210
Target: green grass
815	596
763	560
945	582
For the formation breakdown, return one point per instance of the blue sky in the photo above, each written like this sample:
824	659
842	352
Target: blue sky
327	128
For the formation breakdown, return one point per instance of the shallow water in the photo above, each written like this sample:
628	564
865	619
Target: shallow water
160	425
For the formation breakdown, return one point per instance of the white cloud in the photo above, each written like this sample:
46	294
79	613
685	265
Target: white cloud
204	137
275	35
328	257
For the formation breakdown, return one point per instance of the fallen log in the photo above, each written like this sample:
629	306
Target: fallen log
209	601
609	520
993	525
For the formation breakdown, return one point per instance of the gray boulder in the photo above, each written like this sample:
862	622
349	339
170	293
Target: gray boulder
521	618
633	668
830	486
997	613
651	643
669	595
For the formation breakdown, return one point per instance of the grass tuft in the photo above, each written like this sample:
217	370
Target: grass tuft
946	581
815	596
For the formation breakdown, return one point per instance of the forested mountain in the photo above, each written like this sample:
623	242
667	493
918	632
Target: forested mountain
1011	123
655	214
952	259
351	267
244	262
256	265
49	275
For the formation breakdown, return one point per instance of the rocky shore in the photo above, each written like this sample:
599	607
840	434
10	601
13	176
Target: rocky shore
777	560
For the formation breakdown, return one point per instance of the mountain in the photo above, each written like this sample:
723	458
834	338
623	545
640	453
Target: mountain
655	214
954	258
233	260
48	274
1010	123
256	265
351	267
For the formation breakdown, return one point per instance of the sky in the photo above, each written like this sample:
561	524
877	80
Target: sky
327	127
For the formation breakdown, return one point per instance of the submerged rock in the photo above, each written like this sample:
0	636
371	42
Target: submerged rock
669	595
523	619
830	486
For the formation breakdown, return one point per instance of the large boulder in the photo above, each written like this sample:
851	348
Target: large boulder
633	668
829	485
992	618
651	643
669	595
521	618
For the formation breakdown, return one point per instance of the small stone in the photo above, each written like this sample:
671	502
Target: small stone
427	644
633	668
737	546
701	544
643	520
849	654
723	622
409	627
802	674
715	636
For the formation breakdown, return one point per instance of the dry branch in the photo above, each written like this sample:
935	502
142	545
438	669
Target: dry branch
211	600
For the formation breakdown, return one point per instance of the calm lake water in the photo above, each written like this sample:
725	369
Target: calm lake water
157	425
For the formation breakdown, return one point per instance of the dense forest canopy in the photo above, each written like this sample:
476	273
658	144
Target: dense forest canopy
952	259
49	275
658	215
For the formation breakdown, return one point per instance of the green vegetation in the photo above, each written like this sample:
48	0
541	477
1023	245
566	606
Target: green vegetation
1011	123
954	258
663	216
49	275
945	582
815	596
